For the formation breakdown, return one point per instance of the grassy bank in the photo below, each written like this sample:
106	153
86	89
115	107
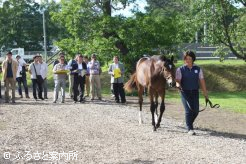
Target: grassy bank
231	101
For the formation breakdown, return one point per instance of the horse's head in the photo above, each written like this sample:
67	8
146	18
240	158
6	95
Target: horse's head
168	71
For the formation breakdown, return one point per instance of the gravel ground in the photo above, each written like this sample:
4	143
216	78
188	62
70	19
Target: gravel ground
105	132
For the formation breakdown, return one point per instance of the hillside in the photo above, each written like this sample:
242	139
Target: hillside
225	76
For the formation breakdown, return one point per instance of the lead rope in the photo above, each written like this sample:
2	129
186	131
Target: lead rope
207	101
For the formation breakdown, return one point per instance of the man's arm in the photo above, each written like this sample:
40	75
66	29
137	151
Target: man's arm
110	70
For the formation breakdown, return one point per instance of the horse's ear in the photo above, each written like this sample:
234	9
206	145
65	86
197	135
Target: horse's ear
172	58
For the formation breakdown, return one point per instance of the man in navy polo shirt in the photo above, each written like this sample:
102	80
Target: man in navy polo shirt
188	78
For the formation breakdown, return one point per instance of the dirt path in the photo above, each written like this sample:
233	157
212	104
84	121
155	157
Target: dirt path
217	120
104	132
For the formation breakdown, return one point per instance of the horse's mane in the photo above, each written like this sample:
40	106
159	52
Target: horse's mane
159	57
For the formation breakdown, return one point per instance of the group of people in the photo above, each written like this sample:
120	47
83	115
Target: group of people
16	71
81	73
84	73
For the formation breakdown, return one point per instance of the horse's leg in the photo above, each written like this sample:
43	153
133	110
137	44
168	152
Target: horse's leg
152	107
156	107
140	101
162	107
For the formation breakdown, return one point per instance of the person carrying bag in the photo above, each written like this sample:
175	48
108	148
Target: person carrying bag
40	79
37	80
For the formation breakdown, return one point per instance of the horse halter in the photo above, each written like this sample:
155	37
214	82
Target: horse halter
169	78
165	67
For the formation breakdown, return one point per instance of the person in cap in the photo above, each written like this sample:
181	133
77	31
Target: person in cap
95	71
10	68
60	80
21	76
58	59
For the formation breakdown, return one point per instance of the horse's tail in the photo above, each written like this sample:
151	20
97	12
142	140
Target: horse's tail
131	84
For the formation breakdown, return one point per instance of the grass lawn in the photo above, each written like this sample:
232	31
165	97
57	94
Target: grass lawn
232	101
216	62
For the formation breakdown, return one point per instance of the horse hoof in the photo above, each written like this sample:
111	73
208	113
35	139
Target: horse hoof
140	122
157	125
154	129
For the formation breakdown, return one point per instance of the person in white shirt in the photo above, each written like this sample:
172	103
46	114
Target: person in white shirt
44	72
35	71
21	76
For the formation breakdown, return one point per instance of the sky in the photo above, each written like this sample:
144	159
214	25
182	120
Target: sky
140	4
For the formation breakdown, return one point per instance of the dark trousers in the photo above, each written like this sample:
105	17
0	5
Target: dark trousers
119	91
0	89
78	87
24	82
35	86
190	100
45	88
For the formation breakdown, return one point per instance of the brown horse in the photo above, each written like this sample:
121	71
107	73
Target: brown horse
152	73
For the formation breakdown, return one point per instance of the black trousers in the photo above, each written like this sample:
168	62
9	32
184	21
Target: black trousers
119	91
78	87
22	80
35	86
190	100
0	90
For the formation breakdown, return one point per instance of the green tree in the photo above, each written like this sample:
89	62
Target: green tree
223	21
21	24
54	30
93	28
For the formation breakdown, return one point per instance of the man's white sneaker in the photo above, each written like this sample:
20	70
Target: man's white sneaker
191	132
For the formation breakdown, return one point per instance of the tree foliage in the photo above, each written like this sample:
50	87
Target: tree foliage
93	28
89	26
224	23
21	24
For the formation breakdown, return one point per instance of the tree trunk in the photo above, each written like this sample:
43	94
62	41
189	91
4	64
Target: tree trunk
107	11
228	38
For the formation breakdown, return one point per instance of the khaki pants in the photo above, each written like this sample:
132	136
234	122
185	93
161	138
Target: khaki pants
95	86
87	85
12	83
60	84
71	81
